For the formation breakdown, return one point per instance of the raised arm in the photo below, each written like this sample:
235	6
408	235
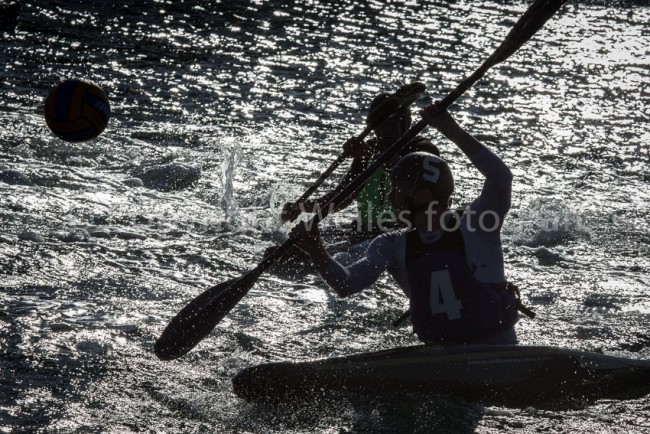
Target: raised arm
496	194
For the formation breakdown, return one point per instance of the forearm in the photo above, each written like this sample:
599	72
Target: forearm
336	276
496	193
497	190
347	281
495	198
461	138
363	273
488	163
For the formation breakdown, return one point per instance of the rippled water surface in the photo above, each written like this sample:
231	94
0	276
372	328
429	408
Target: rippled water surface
260	96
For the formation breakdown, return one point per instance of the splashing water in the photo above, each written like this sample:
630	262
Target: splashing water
261	96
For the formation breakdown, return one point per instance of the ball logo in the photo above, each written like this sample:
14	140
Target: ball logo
431	172
102	107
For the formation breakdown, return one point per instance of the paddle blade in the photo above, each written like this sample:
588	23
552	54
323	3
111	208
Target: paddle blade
395	103
199	317
530	22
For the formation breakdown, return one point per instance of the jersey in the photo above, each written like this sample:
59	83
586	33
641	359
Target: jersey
372	201
448	304
373	207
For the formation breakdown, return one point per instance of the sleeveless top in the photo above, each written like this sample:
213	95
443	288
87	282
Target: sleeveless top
372	201
448	305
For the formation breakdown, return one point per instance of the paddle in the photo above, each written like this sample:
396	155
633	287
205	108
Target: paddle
395	103
203	313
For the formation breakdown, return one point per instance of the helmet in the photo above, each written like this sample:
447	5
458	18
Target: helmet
405	113
419	143
377	100
425	170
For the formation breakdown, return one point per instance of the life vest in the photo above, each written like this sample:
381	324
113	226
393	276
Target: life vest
448	305
372	200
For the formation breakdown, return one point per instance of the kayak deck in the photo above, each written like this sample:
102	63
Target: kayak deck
509	375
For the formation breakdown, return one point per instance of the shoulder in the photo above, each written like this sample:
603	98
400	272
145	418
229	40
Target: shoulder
480	228
391	236
388	243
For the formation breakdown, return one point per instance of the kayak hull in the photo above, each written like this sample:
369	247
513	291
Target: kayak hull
513	376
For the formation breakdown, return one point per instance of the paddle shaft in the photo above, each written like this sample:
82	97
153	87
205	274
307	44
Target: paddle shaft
398	145
336	163
350	188
507	48
531	21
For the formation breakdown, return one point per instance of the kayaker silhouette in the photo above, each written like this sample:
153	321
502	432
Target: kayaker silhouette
373	208
450	264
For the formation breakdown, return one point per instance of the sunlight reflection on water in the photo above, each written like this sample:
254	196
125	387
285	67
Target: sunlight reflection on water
262	96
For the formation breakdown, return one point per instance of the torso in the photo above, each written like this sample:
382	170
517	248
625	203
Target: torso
448	304
484	259
372	201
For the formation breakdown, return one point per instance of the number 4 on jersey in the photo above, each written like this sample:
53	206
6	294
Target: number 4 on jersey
443	297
